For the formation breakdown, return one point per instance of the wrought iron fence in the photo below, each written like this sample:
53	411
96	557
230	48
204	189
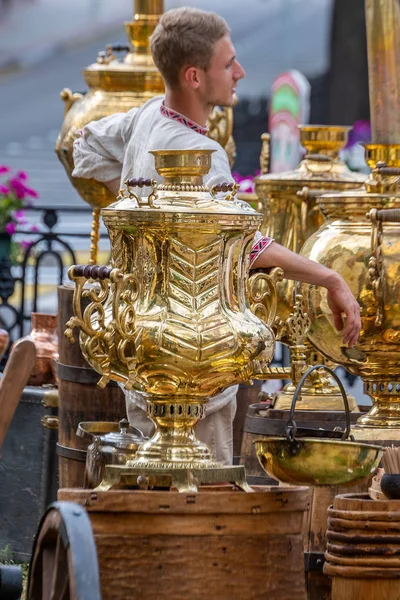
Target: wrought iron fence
44	244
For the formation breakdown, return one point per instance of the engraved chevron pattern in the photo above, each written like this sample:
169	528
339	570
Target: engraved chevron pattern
193	275
195	327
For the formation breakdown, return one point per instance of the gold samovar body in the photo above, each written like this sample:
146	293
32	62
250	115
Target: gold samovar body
171	318
366	251
291	218
361	240
115	86
288	202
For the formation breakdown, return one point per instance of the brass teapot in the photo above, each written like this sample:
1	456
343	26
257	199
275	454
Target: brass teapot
111	444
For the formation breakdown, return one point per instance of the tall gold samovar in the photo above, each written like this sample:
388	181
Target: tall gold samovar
288	203
171	318
361	240
116	86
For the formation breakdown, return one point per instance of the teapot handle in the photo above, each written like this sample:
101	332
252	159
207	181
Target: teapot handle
291	426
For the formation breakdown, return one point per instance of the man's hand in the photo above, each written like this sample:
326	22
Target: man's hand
341	300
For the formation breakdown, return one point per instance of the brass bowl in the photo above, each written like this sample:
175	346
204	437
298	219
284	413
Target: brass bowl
313	461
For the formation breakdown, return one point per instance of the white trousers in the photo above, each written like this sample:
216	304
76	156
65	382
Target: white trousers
215	430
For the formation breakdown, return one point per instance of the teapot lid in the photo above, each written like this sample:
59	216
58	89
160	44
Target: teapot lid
127	438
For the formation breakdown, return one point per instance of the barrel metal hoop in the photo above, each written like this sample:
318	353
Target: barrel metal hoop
71	453
313	561
83	375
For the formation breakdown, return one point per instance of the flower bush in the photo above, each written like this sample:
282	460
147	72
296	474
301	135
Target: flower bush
246	183
15	196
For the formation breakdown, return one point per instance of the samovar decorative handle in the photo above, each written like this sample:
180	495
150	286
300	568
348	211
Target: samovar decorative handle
106	56
142	182
263	296
265	154
376	269
383	169
99	341
69	98
96	272
226	186
291	426
307	194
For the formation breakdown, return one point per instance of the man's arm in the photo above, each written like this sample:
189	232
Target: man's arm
114	185
299	268
100	150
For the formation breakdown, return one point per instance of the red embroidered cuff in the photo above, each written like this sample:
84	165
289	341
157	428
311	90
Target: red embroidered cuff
258	248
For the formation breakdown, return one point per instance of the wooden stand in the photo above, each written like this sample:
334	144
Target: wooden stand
215	544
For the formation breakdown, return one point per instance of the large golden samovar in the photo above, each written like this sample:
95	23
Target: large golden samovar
116	86
288	203
171	318
361	240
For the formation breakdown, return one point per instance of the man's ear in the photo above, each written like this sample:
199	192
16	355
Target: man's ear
191	77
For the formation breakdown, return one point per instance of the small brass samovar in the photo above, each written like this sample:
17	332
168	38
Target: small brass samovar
288	203
171	318
116	86
361	240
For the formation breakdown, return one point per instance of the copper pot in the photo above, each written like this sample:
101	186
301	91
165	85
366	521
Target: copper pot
44	336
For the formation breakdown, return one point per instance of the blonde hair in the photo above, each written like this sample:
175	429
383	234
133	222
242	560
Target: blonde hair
185	36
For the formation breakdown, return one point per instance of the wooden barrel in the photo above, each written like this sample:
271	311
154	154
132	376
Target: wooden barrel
363	549
80	399
264	421
217	545
247	395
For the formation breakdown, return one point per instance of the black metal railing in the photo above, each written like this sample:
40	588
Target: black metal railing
46	244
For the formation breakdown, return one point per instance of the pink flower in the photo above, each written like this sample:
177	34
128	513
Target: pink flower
10	228
31	192
4	169
25	244
35	229
21	190
19	217
4	190
22	175
246	185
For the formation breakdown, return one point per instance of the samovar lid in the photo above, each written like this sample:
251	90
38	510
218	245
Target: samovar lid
182	198
321	164
136	70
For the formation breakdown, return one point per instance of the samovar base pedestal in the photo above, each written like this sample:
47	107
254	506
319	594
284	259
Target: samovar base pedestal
313	399
184	478
382	435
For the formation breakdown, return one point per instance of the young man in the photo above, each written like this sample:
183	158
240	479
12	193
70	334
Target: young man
195	55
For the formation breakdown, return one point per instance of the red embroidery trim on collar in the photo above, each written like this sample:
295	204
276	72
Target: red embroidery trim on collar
175	116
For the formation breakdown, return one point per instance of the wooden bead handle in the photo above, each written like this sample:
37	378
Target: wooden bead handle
92	272
141	182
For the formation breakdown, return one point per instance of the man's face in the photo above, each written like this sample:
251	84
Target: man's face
220	79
